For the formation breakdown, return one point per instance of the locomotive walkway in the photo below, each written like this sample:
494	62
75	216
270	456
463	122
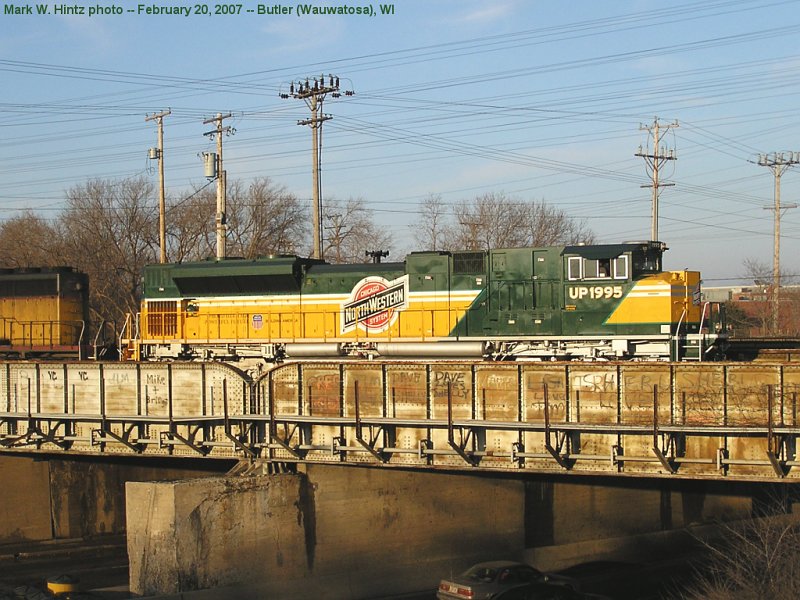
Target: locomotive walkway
730	421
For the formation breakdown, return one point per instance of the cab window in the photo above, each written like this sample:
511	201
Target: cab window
574	268
602	268
621	267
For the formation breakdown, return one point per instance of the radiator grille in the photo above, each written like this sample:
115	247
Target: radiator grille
162	318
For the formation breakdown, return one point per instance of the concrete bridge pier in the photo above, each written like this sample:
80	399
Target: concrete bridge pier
354	533
69	497
324	533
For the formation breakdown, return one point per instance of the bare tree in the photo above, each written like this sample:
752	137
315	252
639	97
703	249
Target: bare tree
429	232
761	307
265	219
30	241
110	231
494	220
190	226
758	271
551	226
351	232
262	219
756	558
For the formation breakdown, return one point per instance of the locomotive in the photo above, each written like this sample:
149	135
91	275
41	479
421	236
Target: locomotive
586	302
44	312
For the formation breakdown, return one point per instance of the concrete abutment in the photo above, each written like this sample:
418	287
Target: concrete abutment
343	532
350	532
325	533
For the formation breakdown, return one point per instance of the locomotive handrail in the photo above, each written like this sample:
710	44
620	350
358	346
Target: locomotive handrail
80	340
97	335
677	340
122	332
48	337
703	315
127	327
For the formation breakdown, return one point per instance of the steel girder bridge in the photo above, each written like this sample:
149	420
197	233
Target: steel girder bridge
709	421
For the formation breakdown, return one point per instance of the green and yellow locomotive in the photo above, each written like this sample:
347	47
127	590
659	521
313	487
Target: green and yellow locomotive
600	302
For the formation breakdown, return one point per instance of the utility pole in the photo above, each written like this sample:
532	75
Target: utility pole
653	164
778	163
313	94
221	177
158	153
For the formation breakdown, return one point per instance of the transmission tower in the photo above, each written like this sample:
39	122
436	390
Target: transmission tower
313	92
778	163
221	176
158	153
654	161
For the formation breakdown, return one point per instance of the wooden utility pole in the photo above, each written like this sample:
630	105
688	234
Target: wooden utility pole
777	162
314	95
159	154
221	219
654	161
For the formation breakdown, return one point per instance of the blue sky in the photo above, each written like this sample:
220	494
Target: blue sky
540	100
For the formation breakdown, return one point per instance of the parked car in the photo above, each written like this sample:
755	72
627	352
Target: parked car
486	580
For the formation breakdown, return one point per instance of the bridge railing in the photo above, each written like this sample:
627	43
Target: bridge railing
710	420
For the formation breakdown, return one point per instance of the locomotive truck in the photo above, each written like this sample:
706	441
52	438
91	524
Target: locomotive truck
586	302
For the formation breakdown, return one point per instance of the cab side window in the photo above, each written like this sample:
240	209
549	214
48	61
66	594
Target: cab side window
621	267
579	268
574	268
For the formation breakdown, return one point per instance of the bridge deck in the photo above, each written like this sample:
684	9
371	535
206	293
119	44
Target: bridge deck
709	420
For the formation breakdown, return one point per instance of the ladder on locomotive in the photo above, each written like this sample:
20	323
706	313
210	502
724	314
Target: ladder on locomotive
691	346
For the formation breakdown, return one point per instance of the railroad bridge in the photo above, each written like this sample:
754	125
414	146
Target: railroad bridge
707	420
567	456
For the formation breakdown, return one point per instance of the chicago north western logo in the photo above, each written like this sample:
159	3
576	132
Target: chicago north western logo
374	303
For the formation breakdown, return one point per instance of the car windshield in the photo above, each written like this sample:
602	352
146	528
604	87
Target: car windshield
482	574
